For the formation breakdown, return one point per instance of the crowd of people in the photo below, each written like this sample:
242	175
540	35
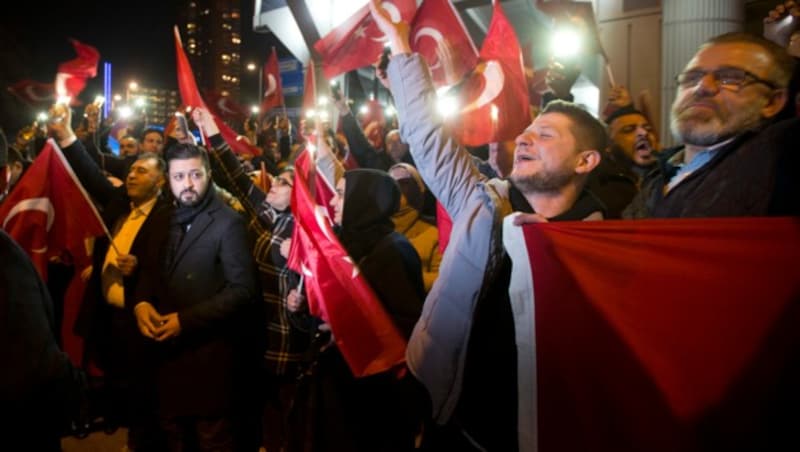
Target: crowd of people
204	334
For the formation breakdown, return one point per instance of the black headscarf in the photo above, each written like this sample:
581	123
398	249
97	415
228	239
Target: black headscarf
371	198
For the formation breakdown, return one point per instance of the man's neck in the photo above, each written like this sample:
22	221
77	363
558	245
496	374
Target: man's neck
551	204
690	151
141	202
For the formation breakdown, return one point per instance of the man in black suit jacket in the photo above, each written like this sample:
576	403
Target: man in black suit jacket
205	286
39	387
138	218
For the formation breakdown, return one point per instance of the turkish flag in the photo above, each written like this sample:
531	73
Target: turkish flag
190	96
273	90
309	88
226	107
72	75
49	212
33	93
439	36
358	42
657	335
494	99
336	290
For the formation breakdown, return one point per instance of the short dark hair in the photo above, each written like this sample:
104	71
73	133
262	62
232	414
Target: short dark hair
183	151
160	163
623	111
589	132
150	130
783	63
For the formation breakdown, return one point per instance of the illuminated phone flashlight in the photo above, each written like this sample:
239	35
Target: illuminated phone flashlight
125	112
389	111
42	116
254	109
364	109
139	102
310	114
323	101
99	100
64	100
323	115
566	42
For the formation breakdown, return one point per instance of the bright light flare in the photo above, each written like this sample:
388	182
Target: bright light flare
566	43
447	106
125	112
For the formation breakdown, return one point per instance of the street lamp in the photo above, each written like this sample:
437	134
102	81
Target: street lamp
132	86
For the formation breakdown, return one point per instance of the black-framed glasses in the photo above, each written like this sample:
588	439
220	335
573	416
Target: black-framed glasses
730	78
280	181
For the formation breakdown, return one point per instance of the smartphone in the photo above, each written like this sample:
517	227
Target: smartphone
384	63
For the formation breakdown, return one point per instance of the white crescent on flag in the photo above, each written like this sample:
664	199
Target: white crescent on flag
494	78
321	214
40	204
441	46
30	91
222	104
394	14
355	272
272	85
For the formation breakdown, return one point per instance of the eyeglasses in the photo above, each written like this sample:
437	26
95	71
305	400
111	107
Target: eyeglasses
280	181
730	78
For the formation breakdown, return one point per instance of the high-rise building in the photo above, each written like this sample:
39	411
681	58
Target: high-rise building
159	104
211	34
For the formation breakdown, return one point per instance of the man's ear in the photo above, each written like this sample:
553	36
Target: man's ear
775	103
587	161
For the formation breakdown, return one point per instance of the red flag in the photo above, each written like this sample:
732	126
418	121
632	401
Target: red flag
495	104
48	212
654	335
358	42
72	75
309	88
337	292
226	107
439	36
190	96
33	93
273	90
445	226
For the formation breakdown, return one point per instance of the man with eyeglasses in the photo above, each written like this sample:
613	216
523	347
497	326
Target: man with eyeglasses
736	159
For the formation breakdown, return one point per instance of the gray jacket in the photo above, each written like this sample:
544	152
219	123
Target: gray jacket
437	348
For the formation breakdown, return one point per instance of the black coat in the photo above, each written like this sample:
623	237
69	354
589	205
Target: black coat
93	323
211	286
39	388
754	175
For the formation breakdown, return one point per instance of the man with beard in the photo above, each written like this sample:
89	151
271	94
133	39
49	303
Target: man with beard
736	159
463	347
202	293
627	160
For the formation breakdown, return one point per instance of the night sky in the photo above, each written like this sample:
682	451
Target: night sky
135	36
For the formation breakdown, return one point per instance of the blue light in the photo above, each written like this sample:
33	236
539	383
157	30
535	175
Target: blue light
107	88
